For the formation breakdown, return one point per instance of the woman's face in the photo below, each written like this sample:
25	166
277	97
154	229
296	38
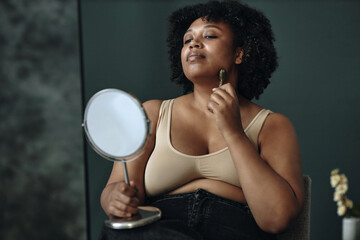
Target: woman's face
208	47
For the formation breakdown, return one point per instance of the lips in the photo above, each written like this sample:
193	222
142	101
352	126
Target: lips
193	56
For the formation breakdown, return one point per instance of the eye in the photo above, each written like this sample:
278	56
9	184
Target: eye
187	41
210	37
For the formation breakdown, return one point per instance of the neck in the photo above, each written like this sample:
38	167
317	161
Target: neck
202	92
203	86
201	97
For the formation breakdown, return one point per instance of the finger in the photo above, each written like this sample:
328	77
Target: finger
125	205
121	210
212	107
217	98
126	189
117	212
127	208
128	200
134	202
220	96
229	89
133	185
120	198
226	93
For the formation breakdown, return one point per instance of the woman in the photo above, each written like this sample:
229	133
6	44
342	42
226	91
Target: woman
218	165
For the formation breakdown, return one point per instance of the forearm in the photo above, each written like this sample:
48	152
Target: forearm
104	198
269	196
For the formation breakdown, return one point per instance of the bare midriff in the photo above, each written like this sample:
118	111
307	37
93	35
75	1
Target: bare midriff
220	188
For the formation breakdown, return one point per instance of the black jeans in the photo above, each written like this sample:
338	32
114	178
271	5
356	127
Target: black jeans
195	215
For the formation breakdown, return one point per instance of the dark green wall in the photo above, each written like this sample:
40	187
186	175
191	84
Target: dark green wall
316	85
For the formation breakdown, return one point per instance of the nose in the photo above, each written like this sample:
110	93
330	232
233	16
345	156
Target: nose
195	44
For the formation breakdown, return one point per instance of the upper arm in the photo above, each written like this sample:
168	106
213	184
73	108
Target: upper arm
136	168
279	147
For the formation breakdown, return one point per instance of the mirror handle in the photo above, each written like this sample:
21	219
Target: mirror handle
126	177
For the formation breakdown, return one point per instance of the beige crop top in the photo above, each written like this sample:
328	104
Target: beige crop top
168	169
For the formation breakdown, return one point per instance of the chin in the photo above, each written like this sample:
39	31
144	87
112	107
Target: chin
199	74
195	77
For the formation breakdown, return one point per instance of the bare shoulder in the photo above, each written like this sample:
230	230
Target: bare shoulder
277	123
152	108
278	140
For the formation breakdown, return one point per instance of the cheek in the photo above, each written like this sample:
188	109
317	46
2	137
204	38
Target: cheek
227	56
183	56
222	60
222	52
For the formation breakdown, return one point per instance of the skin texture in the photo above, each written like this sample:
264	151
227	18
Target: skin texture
211	118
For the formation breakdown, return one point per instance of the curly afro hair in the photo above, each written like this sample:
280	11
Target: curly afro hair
252	32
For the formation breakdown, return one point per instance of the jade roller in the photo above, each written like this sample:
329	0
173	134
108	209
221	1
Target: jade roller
222	76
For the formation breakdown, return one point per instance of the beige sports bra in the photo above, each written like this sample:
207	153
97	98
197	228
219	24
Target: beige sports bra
168	169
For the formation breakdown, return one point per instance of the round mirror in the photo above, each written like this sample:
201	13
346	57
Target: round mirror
118	128
116	125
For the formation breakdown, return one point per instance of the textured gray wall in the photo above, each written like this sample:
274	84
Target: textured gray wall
317	84
41	160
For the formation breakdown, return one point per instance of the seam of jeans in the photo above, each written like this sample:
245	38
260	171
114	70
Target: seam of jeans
198	197
190	212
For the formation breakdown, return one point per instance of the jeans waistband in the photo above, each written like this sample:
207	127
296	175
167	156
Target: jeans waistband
198	194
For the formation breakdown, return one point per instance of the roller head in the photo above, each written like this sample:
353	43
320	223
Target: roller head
222	77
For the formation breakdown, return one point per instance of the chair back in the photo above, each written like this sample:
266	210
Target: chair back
300	229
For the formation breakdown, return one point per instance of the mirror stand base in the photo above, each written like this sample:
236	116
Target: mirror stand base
145	216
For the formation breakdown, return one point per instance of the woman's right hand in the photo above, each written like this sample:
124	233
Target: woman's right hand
120	199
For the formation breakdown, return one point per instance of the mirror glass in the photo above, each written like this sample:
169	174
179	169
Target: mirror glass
116	124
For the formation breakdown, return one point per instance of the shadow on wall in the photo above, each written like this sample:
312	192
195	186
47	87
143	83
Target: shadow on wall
41	158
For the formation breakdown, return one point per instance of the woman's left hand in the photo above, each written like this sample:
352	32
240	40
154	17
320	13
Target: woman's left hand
224	104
